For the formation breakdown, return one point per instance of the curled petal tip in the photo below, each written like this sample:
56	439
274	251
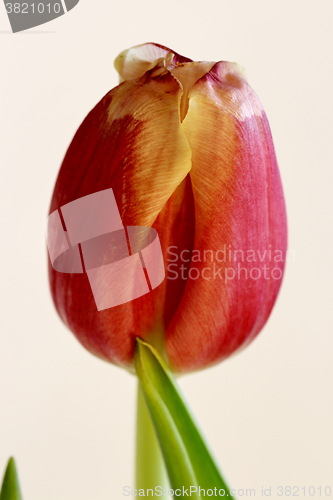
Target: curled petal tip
134	62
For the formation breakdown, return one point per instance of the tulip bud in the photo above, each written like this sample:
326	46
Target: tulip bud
187	150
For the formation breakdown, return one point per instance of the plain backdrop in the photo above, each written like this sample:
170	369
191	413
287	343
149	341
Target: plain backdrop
267	413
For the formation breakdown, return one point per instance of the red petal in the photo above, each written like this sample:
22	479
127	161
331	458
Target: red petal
132	142
239	205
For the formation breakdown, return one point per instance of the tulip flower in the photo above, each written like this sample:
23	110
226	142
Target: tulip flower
187	150
167	240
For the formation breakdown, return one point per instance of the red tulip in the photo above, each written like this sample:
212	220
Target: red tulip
187	149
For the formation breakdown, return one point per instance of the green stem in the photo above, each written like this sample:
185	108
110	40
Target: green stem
188	460
150	469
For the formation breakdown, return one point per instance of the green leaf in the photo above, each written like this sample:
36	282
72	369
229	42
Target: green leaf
10	486
187	458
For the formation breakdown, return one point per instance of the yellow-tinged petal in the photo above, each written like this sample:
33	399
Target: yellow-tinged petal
239	206
133	142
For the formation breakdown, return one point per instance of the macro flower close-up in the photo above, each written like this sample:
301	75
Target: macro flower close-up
166	281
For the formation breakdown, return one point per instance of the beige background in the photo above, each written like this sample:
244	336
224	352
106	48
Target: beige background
267	413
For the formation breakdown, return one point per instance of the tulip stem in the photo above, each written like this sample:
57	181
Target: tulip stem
150	468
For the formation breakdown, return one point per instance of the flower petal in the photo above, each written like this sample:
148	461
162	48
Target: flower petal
239	206
111	333
132	142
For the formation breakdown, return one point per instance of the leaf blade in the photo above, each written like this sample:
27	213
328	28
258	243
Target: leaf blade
10	489
168	408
